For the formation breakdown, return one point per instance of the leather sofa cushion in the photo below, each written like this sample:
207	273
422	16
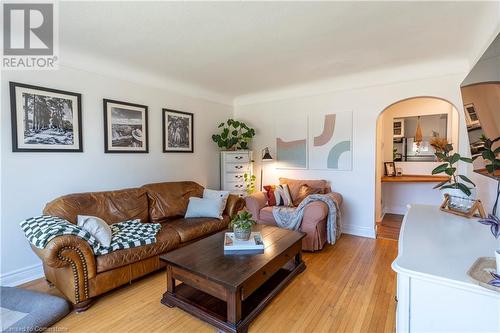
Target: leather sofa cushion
111	206
170	200
166	239
192	228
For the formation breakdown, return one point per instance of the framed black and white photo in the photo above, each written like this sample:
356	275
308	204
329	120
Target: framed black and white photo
390	169
45	120
177	131
125	127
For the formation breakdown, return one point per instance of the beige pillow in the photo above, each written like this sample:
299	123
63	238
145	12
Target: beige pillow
97	227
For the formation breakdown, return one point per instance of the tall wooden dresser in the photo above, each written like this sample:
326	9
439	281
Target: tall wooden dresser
233	165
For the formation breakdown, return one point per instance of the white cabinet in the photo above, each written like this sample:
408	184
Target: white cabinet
233	165
434	293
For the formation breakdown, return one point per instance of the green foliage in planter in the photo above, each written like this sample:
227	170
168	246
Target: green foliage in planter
249	182
242	220
235	134
489	154
449	168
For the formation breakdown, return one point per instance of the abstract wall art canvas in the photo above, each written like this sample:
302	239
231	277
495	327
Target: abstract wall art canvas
330	141
45	120
315	140
291	142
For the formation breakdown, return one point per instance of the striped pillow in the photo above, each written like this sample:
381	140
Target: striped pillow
282	195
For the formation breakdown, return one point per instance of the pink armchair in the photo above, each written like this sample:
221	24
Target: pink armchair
314	220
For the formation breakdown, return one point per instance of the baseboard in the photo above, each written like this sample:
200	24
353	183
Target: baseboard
358	231
23	275
401	210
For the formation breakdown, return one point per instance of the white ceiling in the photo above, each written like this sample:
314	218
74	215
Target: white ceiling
239	48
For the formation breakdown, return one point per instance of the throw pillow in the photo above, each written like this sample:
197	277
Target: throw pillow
304	191
202	207
282	194
213	194
271	198
97	227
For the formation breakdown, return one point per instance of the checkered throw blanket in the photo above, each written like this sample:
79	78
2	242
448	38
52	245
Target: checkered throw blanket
128	234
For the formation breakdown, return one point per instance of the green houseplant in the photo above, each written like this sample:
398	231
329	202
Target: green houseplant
242	225
235	135
456	184
249	182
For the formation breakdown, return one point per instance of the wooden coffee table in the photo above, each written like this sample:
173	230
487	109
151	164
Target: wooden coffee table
229	291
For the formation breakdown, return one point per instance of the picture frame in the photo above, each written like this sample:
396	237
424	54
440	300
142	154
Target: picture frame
471	118
125	127
398	128
390	169
178	131
45	119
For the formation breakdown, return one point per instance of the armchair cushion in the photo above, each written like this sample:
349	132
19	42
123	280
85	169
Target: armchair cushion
295	184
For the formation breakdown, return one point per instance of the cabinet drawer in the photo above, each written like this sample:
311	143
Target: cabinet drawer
234	186
235	177
237	158
237	167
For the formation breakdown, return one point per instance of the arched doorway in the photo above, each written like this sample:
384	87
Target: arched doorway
396	142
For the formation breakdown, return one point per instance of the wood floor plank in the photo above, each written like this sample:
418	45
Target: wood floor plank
347	287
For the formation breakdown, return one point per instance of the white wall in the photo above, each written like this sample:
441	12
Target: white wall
357	186
29	180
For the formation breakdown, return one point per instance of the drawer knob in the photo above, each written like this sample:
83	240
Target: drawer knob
238	157
239	166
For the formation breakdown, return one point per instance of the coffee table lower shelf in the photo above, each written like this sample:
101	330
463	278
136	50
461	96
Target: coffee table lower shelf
214	311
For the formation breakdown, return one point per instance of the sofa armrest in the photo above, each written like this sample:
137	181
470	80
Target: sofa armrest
255	202
337	197
234	205
72	251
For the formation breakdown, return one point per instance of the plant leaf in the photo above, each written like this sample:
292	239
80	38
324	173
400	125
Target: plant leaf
466	159
464	189
455	158
466	179
450	171
441	184
441	168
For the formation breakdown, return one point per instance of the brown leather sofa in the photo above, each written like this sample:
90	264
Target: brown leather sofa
70	264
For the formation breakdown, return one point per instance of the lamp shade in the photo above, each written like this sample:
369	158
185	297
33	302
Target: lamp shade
265	154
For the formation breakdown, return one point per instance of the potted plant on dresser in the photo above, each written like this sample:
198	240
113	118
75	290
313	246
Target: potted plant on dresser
235	157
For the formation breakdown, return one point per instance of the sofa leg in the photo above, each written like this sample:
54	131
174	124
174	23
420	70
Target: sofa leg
83	306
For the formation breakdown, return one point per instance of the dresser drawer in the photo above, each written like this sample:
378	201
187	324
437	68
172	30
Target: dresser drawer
235	177
234	186
237	167
237	157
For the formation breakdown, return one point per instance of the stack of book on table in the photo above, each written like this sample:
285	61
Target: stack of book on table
235	246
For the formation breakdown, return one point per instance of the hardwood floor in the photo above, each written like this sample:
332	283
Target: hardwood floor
390	226
348	287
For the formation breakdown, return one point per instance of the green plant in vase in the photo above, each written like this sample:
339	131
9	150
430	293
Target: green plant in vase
235	135
456	185
242	225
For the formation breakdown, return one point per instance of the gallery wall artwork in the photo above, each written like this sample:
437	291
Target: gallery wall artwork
45	119
125	127
320	141
177	131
